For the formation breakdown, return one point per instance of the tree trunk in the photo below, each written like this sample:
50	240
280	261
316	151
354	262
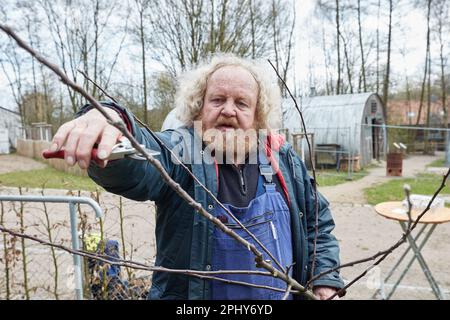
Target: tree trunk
443	86
388	66
338	49
363	64
144	72
347	64
422	93
378	48
252	25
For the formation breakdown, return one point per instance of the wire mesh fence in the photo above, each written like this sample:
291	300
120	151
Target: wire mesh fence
29	270
343	153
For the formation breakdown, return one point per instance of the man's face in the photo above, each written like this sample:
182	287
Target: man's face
229	112
230	100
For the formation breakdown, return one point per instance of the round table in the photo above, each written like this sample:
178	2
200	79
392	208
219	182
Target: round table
395	210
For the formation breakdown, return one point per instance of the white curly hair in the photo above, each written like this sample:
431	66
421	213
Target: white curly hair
192	89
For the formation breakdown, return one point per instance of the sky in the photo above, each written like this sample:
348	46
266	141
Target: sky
411	37
308	54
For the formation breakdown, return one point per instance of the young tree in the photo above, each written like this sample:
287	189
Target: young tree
440	15
81	33
142	7
361	46
427	58
386	82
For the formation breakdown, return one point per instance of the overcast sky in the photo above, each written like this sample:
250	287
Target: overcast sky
308	52
411	37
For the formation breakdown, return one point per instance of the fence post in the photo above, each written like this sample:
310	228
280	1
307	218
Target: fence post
76	246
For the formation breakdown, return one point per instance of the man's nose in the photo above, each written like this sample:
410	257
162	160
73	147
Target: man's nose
229	109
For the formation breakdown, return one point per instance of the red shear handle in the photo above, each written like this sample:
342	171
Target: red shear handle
47	154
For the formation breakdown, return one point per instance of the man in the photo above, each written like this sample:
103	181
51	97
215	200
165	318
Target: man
230	106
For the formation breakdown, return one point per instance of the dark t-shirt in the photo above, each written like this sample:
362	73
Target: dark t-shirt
238	185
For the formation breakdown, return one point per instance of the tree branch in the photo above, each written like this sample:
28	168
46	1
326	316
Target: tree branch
205	275
387	252
316	199
192	175
259	260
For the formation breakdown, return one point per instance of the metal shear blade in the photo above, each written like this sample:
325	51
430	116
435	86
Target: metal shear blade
124	149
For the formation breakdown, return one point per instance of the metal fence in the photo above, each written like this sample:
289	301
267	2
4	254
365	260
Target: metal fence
29	270
335	157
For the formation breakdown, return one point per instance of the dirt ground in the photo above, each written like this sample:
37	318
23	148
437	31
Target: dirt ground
360	231
12	162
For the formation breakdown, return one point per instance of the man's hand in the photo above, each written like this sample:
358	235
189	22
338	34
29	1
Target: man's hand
79	136
323	293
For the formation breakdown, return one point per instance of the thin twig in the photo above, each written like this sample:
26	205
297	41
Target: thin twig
48	228
193	176
407	190
288	292
98	87
259	259
289	287
24	255
313	167
205	275
384	252
5	253
402	240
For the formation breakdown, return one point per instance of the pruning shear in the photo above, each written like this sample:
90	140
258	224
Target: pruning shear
121	150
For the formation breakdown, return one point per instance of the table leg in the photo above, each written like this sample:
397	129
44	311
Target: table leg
422	244
391	272
423	264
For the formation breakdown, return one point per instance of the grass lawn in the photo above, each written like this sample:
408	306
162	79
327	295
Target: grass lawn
437	163
47	178
426	184
332	177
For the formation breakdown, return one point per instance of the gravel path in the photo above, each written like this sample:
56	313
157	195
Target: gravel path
353	191
361	233
359	230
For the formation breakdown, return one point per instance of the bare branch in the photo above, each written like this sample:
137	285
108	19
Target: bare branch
174	156
316	199
407	190
387	252
259	259
205	275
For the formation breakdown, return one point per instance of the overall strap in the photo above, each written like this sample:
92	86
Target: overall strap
265	180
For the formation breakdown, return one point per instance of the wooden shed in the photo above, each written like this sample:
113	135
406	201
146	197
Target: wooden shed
344	123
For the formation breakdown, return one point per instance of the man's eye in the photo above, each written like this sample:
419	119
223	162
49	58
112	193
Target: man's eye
242	104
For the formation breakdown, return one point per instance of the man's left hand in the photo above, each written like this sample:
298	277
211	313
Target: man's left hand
323	293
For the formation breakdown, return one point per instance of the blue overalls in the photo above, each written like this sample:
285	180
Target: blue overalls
267	217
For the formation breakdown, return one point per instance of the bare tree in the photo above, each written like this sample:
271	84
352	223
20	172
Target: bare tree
11	63
282	33
361	46
185	32
142	7
81	32
427	58
386	81
378	47
440	15
338	49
